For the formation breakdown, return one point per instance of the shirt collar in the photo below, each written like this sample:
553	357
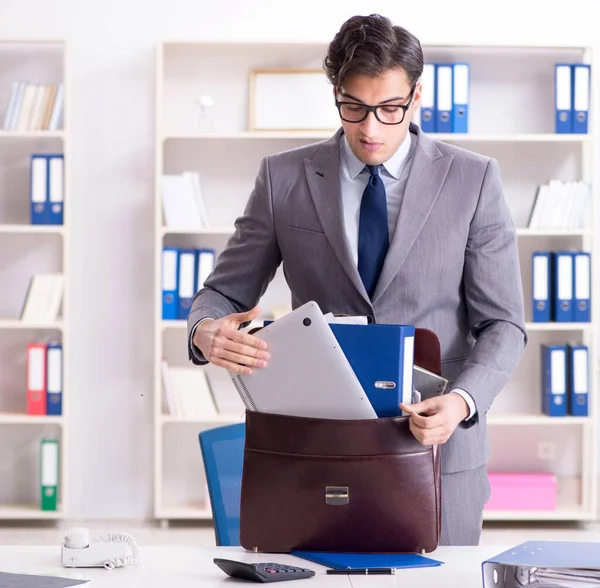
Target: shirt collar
393	165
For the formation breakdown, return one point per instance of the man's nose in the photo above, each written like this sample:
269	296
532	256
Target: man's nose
370	124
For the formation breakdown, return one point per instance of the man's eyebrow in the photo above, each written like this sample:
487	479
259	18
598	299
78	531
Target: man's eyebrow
395	99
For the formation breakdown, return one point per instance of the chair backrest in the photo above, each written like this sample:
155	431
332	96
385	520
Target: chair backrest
223	455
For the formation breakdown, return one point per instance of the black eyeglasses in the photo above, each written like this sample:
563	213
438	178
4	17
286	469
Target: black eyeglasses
386	114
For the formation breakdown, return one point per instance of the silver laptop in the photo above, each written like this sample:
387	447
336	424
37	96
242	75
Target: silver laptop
307	375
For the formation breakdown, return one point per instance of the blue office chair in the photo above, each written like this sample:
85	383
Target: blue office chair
223	454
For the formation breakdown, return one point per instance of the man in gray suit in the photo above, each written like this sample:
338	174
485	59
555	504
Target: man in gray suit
384	221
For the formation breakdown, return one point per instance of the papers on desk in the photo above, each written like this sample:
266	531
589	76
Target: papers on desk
36	581
540	564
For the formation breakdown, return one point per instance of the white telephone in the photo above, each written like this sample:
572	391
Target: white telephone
111	551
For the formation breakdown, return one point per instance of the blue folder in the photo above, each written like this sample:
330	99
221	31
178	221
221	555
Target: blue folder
382	357
351	561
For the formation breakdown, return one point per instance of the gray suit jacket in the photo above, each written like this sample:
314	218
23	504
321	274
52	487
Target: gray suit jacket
452	265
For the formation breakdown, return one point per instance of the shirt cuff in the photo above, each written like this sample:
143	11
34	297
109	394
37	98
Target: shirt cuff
468	399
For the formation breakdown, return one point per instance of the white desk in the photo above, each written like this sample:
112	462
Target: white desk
193	567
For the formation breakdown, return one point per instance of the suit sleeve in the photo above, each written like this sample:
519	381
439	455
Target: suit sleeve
245	267
494	297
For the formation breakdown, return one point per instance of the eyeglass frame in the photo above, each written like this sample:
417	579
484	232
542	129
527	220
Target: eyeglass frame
373	109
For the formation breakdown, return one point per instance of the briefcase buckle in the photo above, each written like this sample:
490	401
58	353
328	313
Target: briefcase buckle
337	495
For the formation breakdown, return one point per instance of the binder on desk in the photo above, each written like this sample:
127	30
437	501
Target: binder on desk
581	287
428	111
579	381
443	83
581	97
544	563
382	358
540	286
562	283
554	380
563	98
460	92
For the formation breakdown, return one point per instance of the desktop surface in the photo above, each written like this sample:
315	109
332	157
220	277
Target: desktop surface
189	566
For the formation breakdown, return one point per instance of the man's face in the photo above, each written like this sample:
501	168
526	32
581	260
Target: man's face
370	140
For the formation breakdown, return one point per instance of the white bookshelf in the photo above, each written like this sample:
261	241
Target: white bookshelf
25	250
522	139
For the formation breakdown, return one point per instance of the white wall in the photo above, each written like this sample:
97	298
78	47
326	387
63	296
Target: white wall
112	74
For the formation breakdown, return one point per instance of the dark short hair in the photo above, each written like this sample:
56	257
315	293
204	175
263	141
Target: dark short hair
371	45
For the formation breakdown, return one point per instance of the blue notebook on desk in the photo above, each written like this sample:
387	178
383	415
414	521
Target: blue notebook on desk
352	561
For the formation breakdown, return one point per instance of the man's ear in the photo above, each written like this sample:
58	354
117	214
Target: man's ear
416	101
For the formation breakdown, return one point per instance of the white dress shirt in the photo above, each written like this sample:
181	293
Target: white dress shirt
353	178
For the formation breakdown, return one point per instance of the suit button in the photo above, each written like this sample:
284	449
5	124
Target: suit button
370	319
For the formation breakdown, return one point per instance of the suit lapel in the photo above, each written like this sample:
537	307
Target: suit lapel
323	177
427	174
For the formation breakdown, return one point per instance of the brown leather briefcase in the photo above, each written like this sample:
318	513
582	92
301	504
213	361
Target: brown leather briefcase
341	485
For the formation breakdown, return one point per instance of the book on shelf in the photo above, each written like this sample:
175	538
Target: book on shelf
561	205
44	298
183	204
188	393
34	107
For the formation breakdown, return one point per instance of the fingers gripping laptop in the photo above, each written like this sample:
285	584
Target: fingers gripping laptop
308	374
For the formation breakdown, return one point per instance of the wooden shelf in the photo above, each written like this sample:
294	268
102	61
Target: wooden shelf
521	232
8	418
555	232
220	419
207	231
449	137
32	134
19	324
33	249
558	326
179	146
535	419
27	512
33	229
561	514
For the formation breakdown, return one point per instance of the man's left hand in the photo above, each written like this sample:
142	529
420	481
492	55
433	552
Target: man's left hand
432	421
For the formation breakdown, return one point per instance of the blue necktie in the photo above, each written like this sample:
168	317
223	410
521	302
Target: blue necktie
373	239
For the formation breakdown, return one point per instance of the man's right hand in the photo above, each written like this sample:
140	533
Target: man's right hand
224	345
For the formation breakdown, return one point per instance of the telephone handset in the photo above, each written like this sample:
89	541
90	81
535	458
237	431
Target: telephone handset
115	550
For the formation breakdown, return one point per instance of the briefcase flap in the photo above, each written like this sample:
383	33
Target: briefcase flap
338	485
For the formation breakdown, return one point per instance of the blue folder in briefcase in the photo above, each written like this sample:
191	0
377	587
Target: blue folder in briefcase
382	358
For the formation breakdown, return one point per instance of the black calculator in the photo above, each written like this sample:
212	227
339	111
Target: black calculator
262	572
